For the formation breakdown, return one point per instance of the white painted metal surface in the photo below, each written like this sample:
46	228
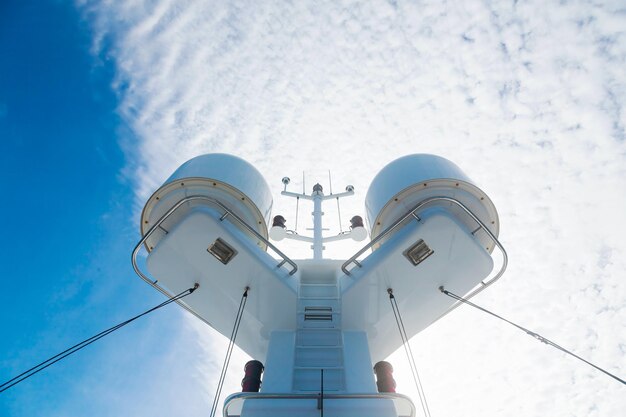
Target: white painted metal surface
295	359
227	178
458	261
403	183
318	244
320	318
181	259
318	239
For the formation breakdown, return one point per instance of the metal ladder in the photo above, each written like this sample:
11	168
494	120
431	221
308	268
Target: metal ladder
319	341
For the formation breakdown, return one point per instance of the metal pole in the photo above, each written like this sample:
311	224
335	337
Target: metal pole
318	244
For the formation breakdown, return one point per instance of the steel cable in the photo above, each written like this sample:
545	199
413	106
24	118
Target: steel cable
67	352
409	352
530	333
229	351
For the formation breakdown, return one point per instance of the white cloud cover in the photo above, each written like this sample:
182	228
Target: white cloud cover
527	97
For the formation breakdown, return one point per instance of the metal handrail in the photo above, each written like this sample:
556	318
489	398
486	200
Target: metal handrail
168	213
228	212
484	283
314	396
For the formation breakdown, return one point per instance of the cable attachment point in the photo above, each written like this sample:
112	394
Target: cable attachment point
537	336
390	292
195	287
245	293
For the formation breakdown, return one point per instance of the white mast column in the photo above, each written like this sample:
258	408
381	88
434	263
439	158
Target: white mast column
318	241
317	196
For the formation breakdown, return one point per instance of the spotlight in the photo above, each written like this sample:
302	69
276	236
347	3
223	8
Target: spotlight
357	231
278	230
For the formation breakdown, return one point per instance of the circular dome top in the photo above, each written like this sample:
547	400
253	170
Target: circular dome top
226	178
404	183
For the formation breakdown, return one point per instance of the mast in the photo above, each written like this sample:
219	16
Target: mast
318	325
318	244
317	241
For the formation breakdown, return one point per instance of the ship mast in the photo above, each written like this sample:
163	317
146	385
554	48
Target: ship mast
318	240
317	326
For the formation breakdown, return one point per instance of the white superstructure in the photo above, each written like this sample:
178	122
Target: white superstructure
319	318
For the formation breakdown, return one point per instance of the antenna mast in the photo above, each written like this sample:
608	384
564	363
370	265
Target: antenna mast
278	231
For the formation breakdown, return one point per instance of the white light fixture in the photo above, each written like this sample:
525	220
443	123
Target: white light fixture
358	234
418	252
278	231
357	230
222	251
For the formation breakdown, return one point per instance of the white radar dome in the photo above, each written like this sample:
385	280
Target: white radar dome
224	178
401	185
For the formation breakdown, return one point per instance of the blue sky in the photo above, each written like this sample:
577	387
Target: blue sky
68	231
100	101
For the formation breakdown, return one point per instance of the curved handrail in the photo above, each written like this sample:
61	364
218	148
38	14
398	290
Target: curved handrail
314	396
484	283
227	211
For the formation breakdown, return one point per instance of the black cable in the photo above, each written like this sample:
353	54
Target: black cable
530	333
67	352
408	351
229	350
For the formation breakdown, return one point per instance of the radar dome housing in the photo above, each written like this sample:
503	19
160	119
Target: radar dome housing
404	183
226	178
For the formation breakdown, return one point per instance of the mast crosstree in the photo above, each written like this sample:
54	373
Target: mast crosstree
278	232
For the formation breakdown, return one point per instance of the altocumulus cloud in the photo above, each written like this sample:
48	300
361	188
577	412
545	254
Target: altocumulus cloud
527	97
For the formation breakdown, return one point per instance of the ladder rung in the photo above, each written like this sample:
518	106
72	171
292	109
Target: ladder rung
314	308
318	317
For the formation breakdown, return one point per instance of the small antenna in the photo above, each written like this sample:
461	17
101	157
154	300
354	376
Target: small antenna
330	183
339	214
297	211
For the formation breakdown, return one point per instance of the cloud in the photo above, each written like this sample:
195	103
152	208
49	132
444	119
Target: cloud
526	97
